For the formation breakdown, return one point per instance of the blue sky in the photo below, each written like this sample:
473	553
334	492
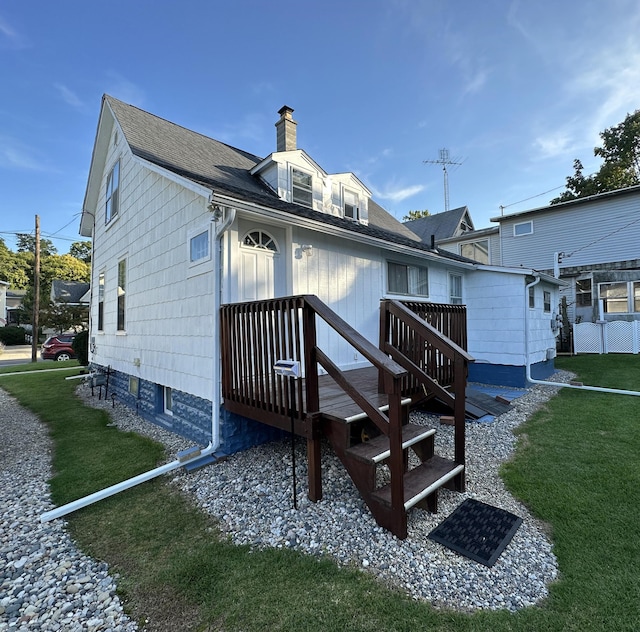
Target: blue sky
514	90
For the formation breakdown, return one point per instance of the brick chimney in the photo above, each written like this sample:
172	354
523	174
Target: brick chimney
286	130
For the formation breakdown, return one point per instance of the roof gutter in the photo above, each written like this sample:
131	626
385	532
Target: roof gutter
190	456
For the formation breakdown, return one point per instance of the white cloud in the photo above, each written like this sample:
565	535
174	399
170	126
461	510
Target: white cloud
69	97
11	38
398	193
16	155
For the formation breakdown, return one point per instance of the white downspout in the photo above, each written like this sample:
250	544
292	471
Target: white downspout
599	389
192	454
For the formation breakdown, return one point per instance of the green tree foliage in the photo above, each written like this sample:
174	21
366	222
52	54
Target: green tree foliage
64	317
415	215
620	152
27	243
81	250
15	268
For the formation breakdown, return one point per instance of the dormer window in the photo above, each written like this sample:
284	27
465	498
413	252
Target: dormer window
351	210
301	187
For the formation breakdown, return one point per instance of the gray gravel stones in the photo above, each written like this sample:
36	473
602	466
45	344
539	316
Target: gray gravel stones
251	495
45	582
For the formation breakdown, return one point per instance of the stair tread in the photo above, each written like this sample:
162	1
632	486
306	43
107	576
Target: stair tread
377	449
422	481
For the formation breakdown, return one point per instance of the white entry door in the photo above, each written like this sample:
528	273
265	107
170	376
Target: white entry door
262	273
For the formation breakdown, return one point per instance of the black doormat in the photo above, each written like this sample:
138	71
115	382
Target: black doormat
478	531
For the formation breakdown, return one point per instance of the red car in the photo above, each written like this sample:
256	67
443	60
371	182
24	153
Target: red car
58	348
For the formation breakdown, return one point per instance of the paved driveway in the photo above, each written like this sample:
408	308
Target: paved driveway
17	354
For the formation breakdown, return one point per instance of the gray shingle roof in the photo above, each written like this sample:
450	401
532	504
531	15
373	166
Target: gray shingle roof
442	225
226	169
68	291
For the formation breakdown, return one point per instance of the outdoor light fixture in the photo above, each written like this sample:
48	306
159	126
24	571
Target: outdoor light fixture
307	249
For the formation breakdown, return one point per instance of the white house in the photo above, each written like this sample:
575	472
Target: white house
3	303
158	195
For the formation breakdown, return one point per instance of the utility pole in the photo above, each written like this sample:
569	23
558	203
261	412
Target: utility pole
36	294
444	161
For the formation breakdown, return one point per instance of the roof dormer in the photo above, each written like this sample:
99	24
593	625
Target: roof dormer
298	179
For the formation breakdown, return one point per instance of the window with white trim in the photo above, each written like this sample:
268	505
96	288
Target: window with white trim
622	297
455	289
350	205
547	301
101	301
523	228
301	187
167	398
532	297
122	284
410	280
583	293
476	250
199	247
112	203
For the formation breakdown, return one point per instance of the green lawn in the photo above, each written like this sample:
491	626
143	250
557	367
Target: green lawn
577	468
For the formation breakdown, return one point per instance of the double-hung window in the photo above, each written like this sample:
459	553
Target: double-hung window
301	187
455	289
351	210
583	292
411	280
199	247
112	203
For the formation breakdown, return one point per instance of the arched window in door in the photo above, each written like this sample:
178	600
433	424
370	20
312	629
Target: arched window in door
260	239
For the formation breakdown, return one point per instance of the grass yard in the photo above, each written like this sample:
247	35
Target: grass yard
577	468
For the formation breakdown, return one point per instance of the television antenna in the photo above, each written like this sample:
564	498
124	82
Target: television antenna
444	160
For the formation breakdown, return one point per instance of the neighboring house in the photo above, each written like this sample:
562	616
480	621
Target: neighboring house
596	243
3	303
71	293
14	304
482	245
434	228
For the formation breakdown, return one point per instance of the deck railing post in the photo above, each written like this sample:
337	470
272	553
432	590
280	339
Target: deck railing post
312	398
459	415
385	324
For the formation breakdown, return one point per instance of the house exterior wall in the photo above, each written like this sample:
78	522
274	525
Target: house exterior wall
599	231
497	310
168	334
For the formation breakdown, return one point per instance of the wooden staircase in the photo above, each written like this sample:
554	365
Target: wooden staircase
414	361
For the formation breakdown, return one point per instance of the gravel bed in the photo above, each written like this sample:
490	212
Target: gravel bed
45	582
251	495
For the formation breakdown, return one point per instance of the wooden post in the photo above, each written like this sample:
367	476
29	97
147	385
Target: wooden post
312	401
459	412
36	294
396	461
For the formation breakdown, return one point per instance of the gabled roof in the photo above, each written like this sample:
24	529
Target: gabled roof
227	170
470	235
68	291
441	225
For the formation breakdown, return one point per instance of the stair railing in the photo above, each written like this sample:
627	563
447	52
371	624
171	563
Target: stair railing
427	354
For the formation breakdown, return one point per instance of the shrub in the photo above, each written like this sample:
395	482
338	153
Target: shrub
12	335
80	346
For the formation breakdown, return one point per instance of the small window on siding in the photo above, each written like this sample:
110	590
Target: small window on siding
406	279
134	385
167	400
112	203
351	210
301	187
583	293
101	301
532	297
122	284
199	247
523	228
547	301
455	289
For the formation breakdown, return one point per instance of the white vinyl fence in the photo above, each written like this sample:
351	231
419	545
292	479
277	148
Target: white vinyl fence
617	336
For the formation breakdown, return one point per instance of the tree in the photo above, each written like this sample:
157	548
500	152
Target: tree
64	317
415	215
27	243
620	153
81	250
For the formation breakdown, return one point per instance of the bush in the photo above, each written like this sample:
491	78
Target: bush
80	346
12	335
